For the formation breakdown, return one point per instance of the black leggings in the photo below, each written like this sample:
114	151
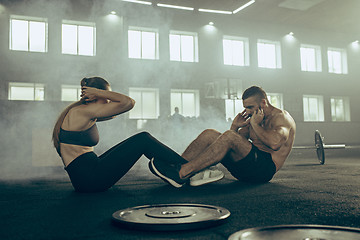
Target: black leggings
92	173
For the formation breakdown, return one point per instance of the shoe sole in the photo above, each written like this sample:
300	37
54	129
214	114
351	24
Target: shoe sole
209	180
169	180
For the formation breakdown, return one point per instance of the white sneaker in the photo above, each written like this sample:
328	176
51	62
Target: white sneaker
206	176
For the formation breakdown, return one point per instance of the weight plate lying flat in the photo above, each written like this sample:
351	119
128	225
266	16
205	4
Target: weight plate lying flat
319	145
170	217
298	232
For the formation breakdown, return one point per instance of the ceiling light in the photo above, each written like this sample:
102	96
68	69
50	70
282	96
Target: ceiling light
214	11
211	23
243	6
138	1
174	6
291	33
113	12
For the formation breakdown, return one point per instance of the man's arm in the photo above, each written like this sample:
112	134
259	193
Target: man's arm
275	137
241	124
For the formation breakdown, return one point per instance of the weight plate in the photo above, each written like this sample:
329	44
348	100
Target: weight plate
170	217
298	232
319	145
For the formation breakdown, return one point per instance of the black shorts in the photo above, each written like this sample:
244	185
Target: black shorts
256	167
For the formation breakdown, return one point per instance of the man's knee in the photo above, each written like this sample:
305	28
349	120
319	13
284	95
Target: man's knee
210	133
232	137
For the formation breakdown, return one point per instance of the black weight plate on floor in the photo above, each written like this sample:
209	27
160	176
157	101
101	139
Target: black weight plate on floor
298	232
170	217
319	145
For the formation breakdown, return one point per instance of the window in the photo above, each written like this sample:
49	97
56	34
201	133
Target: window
147	103
276	99
78	38
310	58
236	51
233	107
269	54
337	61
28	34
313	108
340	109
26	91
70	93
183	47
187	101
143	43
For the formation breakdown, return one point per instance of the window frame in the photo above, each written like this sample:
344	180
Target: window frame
157	103
141	30
346	109
195	45
35	86
74	87
343	60
181	108
320	111
78	24
277	54
317	58
246	51
29	20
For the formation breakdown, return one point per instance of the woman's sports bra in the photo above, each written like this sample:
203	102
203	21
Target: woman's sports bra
88	137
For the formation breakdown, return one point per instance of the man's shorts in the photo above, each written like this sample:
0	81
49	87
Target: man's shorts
256	167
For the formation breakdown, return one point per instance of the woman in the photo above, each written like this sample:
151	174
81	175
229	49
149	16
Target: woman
75	134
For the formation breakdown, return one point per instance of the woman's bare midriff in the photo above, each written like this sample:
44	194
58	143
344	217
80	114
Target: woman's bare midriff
69	152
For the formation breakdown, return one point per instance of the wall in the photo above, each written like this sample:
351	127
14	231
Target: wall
20	118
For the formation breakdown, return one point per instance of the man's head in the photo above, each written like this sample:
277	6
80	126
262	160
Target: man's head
254	98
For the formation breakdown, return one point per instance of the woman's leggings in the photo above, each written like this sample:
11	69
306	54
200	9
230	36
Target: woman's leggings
92	173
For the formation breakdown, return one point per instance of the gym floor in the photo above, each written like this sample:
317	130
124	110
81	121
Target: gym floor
303	192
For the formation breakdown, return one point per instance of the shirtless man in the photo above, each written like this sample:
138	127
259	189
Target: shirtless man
253	150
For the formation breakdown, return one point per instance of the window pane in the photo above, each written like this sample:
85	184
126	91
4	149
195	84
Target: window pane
39	94
149	105
37	36
313	109
176	102
86	40
22	93
227	49
68	94
136	112
134	44
187	48
189	107
19	35
238	53
266	55
148	45
69	39
174	47
306	109
334	58
308	59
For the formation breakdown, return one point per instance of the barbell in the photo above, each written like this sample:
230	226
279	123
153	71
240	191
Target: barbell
320	147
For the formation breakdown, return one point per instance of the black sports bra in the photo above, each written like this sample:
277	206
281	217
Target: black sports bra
88	137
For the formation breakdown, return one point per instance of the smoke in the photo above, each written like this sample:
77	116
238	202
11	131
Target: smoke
26	147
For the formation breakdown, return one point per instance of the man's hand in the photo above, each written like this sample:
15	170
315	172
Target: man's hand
241	120
257	117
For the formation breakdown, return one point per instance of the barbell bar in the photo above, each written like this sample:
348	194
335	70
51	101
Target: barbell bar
320	147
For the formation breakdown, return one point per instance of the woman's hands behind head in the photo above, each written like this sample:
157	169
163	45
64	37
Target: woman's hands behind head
89	93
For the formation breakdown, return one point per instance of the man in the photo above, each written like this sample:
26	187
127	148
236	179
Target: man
253	150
